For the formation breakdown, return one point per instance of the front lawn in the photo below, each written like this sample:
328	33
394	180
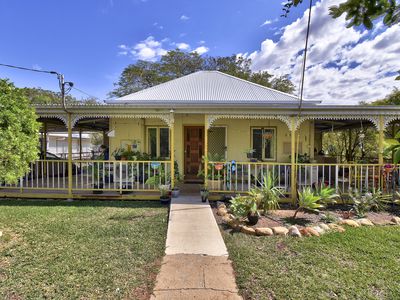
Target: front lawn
80	250
362	263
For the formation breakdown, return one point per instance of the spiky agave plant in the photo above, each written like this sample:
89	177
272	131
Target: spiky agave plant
308	201
267	194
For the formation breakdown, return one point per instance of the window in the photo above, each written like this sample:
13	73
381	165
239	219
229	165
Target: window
158	141
263	143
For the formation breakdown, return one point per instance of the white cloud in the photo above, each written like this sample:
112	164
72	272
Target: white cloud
148	49
201	50
184	18
343	65
151	49
183	46
155	24
268	22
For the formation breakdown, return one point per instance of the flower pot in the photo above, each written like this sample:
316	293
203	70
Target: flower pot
252	219
165	200
175	193
204	198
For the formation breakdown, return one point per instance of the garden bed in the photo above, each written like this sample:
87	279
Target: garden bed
284	216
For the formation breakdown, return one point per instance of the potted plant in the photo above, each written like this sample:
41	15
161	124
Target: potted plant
250	153
215	171
267	194
245	207
165	195
204	192
117	153
175	189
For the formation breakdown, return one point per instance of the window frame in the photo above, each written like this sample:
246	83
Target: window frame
158	138
275	142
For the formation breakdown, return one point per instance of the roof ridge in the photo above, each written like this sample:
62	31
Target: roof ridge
256	84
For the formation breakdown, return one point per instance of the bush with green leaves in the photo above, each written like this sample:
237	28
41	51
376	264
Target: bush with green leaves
242	206
19	133
313	201
363	203
267	195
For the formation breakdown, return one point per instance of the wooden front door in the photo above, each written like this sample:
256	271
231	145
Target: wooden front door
194	150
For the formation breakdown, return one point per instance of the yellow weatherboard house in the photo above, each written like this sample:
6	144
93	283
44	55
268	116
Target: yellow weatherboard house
206	127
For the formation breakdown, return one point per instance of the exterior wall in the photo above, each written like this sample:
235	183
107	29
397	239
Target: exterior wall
238	135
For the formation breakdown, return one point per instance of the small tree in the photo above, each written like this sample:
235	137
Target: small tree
19	129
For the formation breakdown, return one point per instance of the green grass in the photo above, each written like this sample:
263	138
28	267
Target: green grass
362	263
80	250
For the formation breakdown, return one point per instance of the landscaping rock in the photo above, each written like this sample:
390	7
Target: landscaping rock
324	226
351	223
294	231
1	233
318	229
234	223
337	227
227	218
248	230
264	231
222	211
304	232
365	222
396	220
311	231
221	204
382	222
280	230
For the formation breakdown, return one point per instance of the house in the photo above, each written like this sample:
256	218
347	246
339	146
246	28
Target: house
231	131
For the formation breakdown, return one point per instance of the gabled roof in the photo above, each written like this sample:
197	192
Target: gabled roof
208	87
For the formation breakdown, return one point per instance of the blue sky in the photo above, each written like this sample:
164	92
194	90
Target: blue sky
92	41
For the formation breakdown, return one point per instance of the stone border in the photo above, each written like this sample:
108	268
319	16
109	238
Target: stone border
293	230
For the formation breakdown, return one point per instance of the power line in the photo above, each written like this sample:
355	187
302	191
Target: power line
83	92
28	69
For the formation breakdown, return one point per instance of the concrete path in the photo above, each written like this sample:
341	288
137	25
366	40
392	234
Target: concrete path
196	265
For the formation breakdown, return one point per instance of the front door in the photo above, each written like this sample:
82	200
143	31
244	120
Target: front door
194	150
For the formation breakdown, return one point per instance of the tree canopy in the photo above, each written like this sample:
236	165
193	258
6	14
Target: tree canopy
41	96
19	130
177	63
391	99
360	12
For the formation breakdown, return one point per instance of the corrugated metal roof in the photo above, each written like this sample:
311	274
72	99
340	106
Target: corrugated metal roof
208	87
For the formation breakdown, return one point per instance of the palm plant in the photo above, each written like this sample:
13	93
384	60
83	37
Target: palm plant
326	194
308	201
267	194
393	148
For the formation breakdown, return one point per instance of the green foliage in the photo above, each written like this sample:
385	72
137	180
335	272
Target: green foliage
241	206
391	99
349	146
329	218
326	194
308	201
393	147
19	133
164	190
363	203
212	158
360	12
177	63
267	195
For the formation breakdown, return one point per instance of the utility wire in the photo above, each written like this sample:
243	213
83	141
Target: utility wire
28	69
87	94
304	60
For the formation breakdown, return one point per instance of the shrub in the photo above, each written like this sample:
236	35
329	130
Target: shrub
267	195
241	206
308	201
367	202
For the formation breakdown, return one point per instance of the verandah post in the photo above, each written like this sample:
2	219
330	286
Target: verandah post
172	147
293	160
69	124
381	139
206	126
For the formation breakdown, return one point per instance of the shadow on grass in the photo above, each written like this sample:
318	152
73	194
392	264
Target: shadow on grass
83	203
